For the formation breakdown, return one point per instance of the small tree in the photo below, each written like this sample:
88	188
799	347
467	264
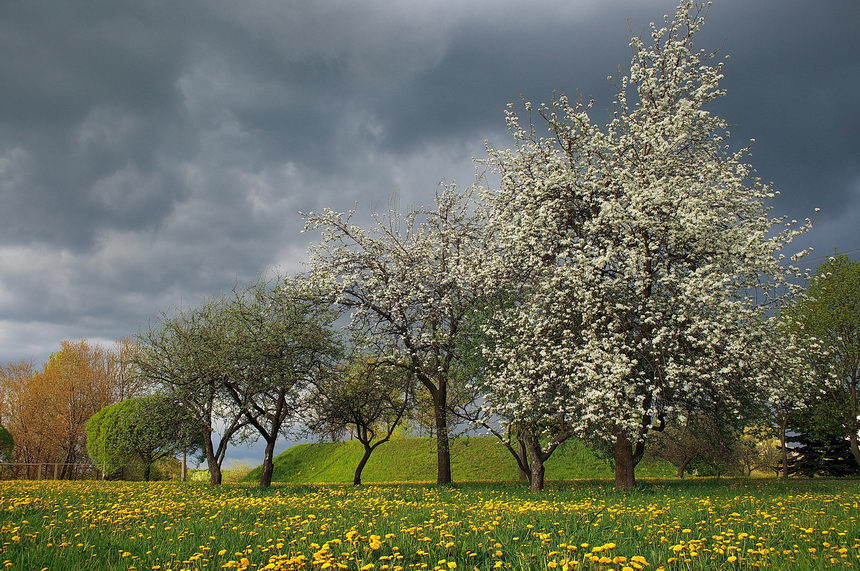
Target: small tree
368	397
278	339
701	438
185	358
649	249
145	429
757	449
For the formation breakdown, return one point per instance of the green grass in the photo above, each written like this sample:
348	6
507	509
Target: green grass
474	459
797	525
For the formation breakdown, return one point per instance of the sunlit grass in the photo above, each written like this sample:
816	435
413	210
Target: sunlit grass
719	524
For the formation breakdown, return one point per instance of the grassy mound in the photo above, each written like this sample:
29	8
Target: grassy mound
414	460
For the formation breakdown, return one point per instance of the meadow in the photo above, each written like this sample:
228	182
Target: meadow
473	459
664	524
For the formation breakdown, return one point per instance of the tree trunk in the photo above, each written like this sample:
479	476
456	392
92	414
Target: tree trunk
853	444
536	467
268	464
783	427
212	462
184	466
525	475
622	450
852	421
147	472
683	467
356	480
443	452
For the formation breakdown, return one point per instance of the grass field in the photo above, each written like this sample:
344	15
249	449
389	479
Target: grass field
693	524
475	459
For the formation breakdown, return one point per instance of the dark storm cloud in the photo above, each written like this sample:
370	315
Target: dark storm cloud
154	153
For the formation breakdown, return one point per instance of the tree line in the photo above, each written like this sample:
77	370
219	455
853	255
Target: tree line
43	410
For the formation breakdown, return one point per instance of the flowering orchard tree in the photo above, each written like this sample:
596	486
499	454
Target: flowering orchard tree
649	252
407	282
796	371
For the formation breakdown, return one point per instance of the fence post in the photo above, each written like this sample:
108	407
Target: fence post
39	472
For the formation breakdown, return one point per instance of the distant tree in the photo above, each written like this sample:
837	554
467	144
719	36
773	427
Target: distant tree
74	384
790	363
145	429
646	240
278	339
830	313
128	382
45	408
701	438
16	410
7	444
406	281
184	356
822	454
367	397
757	449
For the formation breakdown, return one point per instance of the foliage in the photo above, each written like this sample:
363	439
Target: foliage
277	340
45	408
640	254
822	454
830	313
145	429
7	445
796	525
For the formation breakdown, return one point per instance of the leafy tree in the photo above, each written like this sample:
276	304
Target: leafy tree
759	450
700	438
407	282
53	404
830	313
643	243
368	397
145	429
278	339
185	357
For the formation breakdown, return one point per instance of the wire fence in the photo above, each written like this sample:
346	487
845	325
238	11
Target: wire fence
48	471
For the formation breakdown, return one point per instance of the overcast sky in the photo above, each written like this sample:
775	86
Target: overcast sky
154	153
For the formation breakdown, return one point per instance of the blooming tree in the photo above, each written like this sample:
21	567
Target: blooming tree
643	253
407	281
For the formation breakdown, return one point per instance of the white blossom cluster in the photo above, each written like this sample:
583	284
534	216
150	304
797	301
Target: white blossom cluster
406	279
638	260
